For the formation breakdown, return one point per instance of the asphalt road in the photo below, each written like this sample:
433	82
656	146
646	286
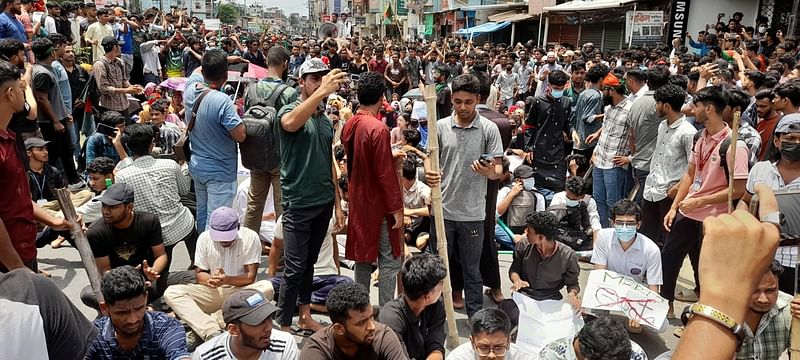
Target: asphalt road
67	272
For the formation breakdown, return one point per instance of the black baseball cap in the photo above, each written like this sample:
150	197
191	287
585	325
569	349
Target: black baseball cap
109	42
523	172
248	306
119	193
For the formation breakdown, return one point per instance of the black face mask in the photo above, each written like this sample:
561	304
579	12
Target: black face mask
608	100
790	151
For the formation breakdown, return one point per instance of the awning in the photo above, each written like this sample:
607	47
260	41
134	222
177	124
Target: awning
501	6
510	16
579	5
484	28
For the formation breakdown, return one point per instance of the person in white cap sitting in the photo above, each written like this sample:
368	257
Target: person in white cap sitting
227	260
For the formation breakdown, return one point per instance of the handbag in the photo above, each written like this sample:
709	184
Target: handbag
181	148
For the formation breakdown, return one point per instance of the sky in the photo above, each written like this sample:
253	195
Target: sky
288	6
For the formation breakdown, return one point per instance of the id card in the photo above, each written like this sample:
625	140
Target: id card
41	202
696	183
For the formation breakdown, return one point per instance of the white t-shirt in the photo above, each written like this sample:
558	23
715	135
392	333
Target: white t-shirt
325	264
466	352
282	346
641	261
211	255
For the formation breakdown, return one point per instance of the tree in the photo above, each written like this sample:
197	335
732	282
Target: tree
228	14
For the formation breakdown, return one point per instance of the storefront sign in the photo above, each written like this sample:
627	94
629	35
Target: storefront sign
678	19
644	27
361	20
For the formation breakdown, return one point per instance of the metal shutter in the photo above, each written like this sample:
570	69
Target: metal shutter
592	33
563	34
612	39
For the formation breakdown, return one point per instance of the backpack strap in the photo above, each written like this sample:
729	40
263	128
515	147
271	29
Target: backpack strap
195	108
273	99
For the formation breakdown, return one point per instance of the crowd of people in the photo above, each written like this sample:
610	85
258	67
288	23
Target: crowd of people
315	153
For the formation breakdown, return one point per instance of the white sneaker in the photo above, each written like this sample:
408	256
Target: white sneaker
78	186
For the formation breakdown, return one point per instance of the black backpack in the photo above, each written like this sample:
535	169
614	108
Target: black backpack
261	148
574	226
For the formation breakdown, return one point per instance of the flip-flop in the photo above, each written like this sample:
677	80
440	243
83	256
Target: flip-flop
488	292
296	330
678	332
690	297
45	273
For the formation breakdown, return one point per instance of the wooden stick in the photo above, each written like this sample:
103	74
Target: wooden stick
81	242
794	338
731	170
438	216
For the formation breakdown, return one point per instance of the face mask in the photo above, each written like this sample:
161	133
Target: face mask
556	94
572	203
762	29
790	151
625	233
528	184
608	100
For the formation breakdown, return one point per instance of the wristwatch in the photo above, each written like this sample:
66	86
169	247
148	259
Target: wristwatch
776	218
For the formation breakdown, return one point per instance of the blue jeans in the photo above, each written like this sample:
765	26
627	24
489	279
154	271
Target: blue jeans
211	194
503	238
607	189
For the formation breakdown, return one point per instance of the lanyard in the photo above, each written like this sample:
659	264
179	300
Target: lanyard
705	157
40	186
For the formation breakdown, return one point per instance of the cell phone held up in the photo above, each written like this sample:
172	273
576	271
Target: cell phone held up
106	130
485	160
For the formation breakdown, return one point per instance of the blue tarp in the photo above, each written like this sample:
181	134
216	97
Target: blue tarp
484	28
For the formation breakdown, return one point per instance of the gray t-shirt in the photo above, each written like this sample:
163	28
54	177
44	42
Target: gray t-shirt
463	190
644	122
45	80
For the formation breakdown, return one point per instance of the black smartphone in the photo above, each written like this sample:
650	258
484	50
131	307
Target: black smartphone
485	159
107	130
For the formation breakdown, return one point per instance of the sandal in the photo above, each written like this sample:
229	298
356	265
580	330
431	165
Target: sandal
488	292
688	297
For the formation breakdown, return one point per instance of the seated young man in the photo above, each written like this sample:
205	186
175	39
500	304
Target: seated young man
326	269
416	205
625	251
490	334
518	198
128	330
602	338
417	316
44	178
227	260
577	215
354	334
248	318
127	237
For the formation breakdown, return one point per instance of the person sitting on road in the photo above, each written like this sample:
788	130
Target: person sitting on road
490	338
578	219
601	338
227	260
519	198
130	331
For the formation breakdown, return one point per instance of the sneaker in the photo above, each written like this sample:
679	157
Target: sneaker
78	186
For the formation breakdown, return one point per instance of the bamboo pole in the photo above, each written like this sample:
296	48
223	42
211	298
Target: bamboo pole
87	257
731	170
794	345
438	215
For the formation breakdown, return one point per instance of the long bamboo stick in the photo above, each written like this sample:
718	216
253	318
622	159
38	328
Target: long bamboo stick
438	215
731	170
81	242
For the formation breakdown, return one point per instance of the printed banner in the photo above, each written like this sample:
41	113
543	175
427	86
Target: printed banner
645	26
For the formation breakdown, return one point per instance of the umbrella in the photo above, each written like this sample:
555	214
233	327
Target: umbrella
414	94
256	72
175	84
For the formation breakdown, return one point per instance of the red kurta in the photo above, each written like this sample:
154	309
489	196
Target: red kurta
374	189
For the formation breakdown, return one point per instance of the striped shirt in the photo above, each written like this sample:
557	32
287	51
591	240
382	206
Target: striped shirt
157	187
282	346
162	337
614	138
766	172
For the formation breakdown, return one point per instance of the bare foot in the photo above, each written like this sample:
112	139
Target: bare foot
57	243
320	308
309	324
458	301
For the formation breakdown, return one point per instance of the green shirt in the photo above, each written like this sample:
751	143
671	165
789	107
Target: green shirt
258	93
306	160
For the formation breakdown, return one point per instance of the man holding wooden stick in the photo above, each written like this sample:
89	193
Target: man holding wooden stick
471	150
703	190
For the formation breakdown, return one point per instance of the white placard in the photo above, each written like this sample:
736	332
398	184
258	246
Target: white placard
212	24
607	290
542	322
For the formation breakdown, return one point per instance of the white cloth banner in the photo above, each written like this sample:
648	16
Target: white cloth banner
212	24
607	290
541	322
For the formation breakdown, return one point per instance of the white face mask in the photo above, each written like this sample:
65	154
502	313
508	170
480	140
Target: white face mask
762	29
529	184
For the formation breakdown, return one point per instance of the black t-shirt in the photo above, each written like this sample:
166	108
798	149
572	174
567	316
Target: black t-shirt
128	246
41	316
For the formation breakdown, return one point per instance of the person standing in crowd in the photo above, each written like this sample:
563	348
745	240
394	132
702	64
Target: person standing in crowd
413	66
308	185
547	68
508	85
227	261
418	316
159	185
444	95
59	48
767	119
354	333
248	317
78	79
217	129
703	190
96	33
673	149
396	76
783	174
471	150
10	27
112	80
610	157
261	183
372	180
588	114
53	116
644	122
128	328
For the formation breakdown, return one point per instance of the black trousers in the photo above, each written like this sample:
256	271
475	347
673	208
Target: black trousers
653	219
490	267
304	231
685	238
60	150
